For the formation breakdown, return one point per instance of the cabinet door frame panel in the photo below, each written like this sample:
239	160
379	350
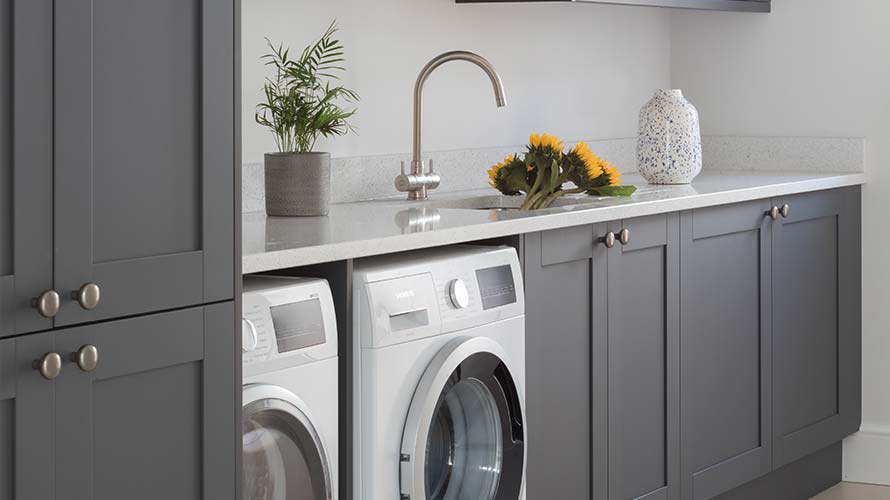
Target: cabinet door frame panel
153	283
32	167
842	206
32	397
127	347
659	231
749	465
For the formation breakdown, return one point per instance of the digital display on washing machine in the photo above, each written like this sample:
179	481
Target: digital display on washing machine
298	325
496	286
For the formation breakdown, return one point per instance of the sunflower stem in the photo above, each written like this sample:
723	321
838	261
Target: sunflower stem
546	202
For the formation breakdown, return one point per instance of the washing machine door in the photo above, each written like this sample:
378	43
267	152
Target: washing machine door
283	456
465	432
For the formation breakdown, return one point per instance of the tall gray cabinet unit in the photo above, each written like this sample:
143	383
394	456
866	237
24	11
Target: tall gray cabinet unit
119	259
682	356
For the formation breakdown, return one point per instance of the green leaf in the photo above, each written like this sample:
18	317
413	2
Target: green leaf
625	190
300	103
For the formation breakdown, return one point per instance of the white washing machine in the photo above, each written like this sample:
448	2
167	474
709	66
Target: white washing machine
440	373
289	414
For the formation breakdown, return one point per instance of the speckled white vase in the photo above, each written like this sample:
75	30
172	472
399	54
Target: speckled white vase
669	147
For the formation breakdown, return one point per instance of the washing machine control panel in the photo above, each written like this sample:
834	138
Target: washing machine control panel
287	320
450	291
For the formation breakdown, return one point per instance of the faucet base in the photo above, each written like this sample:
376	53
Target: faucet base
418	195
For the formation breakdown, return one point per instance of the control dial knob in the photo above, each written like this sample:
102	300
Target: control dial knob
458	294
249	339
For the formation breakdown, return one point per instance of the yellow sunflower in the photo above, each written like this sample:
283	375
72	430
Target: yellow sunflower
613	173
494	170
545	141
592	163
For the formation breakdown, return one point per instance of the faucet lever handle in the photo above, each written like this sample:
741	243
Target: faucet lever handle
431	166
403	167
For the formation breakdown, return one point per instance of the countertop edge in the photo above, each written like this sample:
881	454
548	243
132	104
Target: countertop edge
297	257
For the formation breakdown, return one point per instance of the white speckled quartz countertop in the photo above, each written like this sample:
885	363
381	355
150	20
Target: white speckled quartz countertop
363	229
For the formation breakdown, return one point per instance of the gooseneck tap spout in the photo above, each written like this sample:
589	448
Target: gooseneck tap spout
418	183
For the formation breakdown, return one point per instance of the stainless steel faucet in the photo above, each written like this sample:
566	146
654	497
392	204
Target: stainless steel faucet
418	183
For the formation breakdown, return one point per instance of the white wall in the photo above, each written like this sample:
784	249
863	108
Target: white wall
811	68
579	71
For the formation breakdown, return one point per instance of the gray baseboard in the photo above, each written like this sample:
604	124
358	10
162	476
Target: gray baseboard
799	480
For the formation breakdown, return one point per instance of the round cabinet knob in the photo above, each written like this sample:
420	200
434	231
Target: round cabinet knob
87	358
785	211
49	366
773	213
609	239
47	304
249	338
458	294
624	237
87	296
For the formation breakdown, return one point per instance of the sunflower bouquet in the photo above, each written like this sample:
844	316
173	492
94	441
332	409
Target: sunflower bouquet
546	168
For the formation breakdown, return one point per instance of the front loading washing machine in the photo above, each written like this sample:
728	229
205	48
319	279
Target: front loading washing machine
289	412
439	402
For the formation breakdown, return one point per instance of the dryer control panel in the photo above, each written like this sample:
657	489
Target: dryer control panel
287	320
423	294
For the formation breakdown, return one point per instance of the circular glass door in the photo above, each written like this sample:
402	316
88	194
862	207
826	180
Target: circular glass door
471	436
282	454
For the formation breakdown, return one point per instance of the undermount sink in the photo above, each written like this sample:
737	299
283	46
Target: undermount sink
493	202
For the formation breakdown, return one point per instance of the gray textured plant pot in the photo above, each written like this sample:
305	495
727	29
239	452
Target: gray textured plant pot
298	184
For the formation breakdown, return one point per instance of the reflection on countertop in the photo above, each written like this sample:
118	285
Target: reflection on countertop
361	229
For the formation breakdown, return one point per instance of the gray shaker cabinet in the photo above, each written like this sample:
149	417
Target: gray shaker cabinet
602	361
725	347
26	406
558	267
154	419
636	362
816	322
117	156
26	184
144	142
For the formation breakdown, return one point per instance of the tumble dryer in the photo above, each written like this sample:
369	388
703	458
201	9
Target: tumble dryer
439	374
290	397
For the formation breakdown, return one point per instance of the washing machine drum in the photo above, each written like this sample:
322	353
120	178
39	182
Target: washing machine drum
283	457
465	434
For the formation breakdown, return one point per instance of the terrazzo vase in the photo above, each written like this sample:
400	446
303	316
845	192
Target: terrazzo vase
298	184
669	147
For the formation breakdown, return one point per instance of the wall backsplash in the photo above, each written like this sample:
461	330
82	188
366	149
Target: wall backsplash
574	71
371	177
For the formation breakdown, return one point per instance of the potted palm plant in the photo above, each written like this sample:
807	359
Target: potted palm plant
302	104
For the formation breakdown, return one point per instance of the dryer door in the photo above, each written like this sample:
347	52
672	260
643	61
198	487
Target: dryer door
465	433
283	457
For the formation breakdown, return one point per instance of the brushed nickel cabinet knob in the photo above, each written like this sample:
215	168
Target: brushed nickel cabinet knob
87	358
624	237
49	366
785	211
47	304
773	213
609	239
87	296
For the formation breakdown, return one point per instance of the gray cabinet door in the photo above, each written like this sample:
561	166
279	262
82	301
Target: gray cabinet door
636	362
558	273
725	320
158	417
816	323
26	405
26	115
144	154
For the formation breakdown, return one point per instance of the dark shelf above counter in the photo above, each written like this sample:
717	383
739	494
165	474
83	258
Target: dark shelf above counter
727	5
